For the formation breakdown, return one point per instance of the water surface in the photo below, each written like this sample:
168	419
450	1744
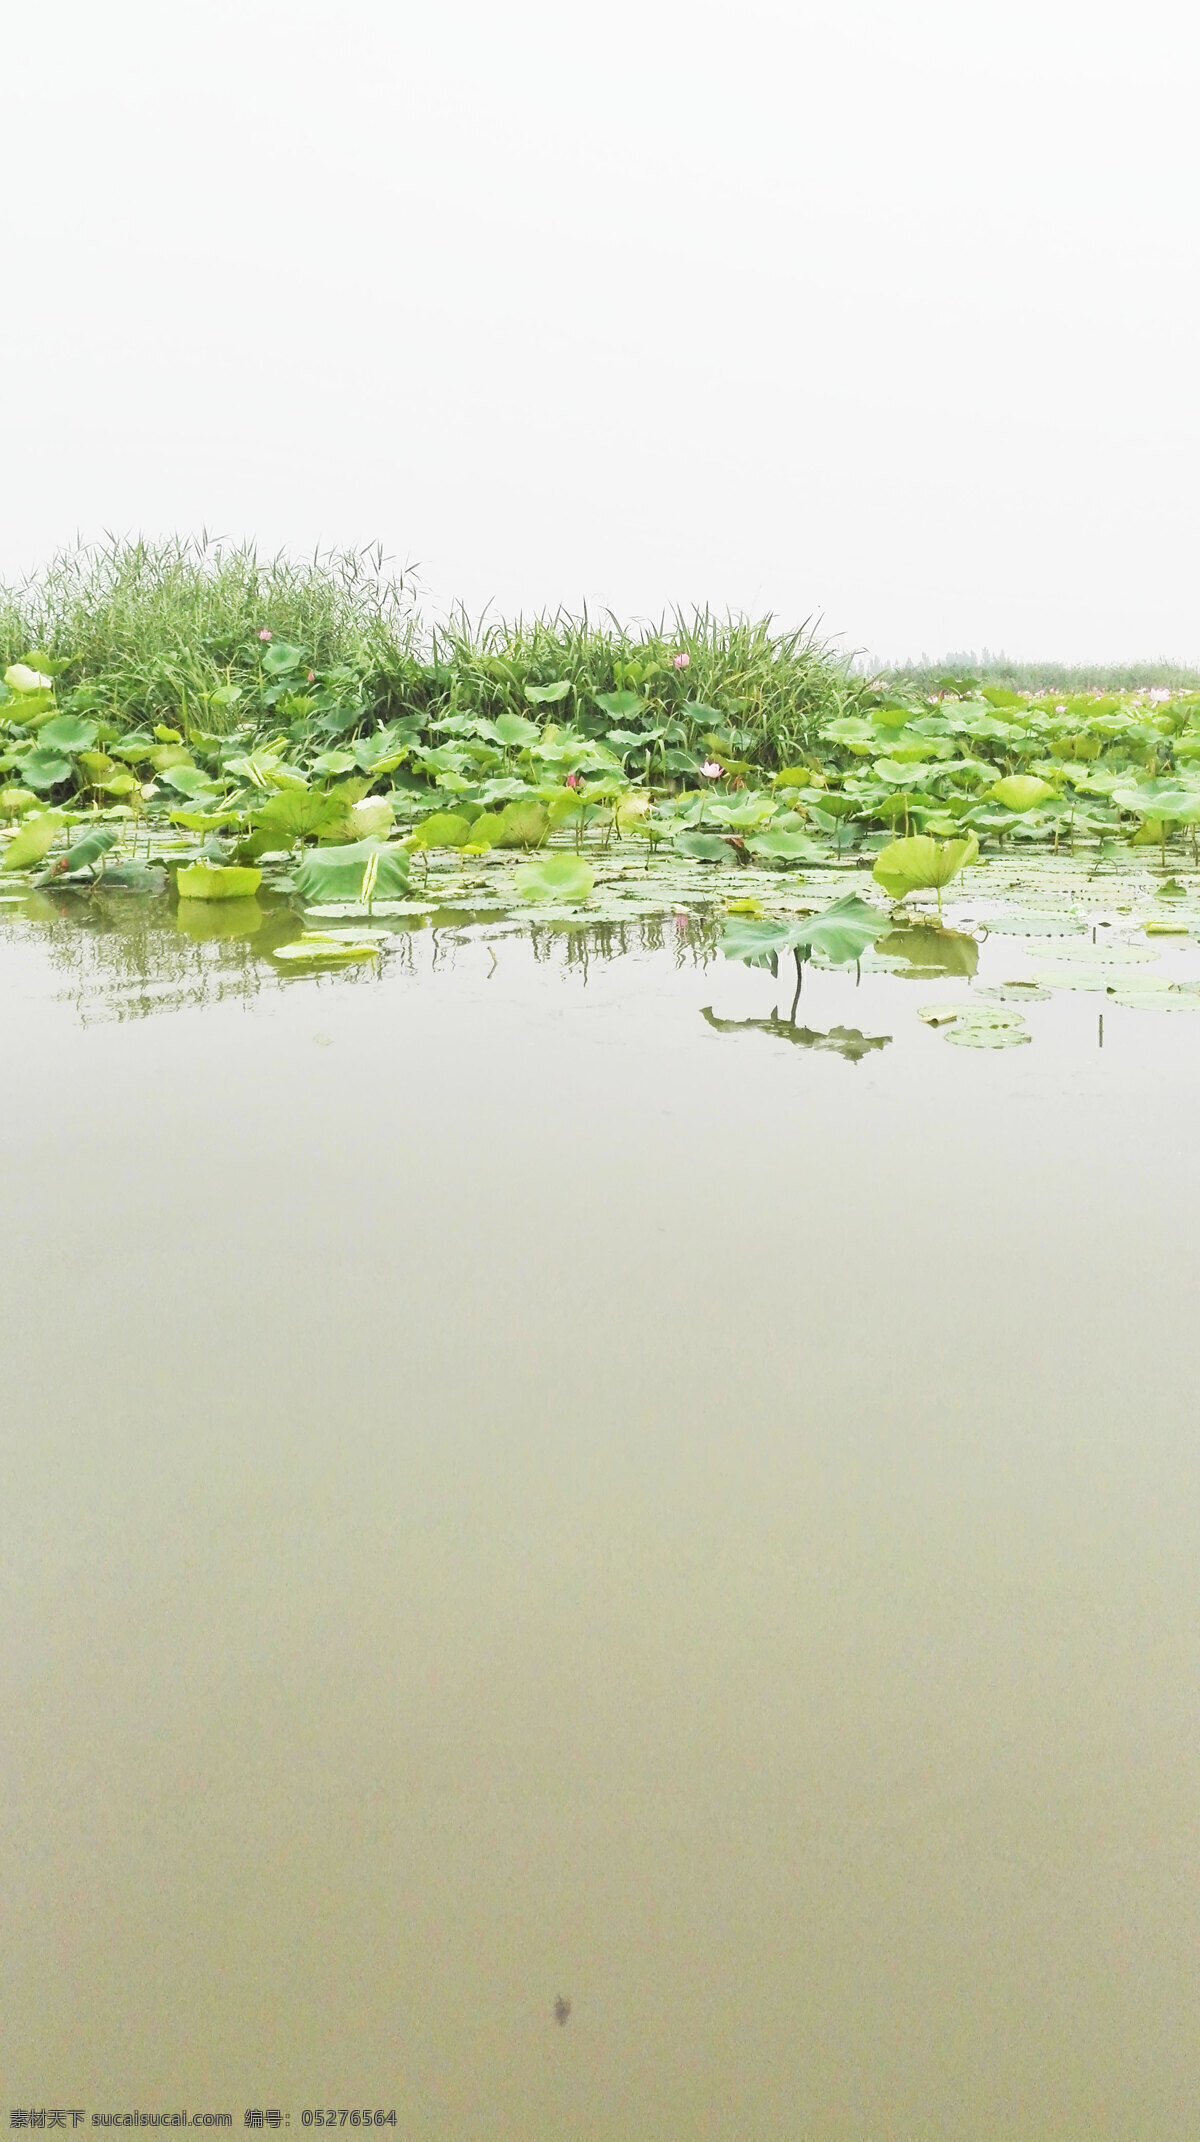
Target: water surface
511	1488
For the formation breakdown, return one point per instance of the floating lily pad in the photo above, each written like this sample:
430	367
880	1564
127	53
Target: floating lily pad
1165	1000
1014	993
981	1034
1035	926
321	948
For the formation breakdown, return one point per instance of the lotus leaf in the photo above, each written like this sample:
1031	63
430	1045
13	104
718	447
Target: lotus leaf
1164	1000
522	824
33	841
513	730
443	829
1020	792
556	877
67	732
294	814
703	847
280	657
359	873
217	881
372	815
317	948
82	854
45	769
974	1034
920	863
20	678
841	934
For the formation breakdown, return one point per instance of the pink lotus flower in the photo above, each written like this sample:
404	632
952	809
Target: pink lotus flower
574	780
681	661
312	676
264	634
711	770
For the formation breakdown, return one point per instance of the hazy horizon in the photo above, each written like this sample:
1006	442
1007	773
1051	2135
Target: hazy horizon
869	315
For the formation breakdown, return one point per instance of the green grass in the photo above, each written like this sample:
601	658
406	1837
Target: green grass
926	676
160	631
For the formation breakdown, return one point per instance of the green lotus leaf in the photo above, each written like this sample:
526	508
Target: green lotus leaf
324	949
359	873
280	657
921	863
703	847
217	881
514	729
82	854
20	678
556	877
840	934
547	695
523	824
45	769
443	829
372	815
33	841
189	781
14	801
781	845
974	1034
1020	792
294	814
67	732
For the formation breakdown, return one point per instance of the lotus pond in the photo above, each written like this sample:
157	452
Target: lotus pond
600	1468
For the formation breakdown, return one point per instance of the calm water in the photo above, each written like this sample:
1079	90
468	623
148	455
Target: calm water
510	1490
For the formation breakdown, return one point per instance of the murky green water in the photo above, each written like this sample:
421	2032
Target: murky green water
514	1489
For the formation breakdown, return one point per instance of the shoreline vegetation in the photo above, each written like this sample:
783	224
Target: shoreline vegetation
190	710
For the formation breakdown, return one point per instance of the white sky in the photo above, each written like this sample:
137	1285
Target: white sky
887	312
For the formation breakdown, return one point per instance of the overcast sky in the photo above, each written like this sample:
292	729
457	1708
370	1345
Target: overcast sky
880	311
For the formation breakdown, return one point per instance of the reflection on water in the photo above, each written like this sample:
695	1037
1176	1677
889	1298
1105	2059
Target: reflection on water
126	956
921	950
847	1041
531	1505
